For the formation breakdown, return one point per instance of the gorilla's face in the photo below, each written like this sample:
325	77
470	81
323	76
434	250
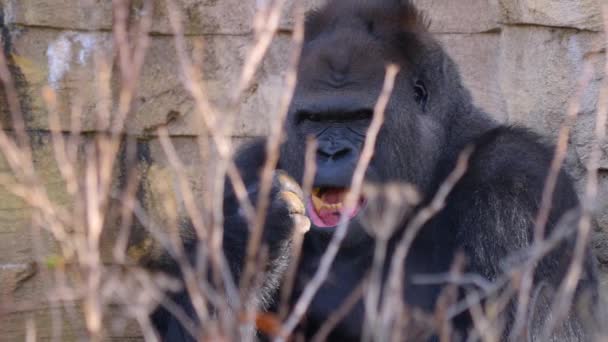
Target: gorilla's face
340	77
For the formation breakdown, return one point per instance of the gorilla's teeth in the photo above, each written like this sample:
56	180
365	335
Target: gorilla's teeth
319	204
335	206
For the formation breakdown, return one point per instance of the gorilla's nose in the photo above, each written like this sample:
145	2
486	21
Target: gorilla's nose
331	151
335	164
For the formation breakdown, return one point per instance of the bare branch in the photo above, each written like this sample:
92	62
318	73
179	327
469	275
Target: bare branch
351	199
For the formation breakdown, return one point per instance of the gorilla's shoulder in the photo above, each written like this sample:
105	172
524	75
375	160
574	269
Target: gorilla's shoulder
250	157
511	155
251	152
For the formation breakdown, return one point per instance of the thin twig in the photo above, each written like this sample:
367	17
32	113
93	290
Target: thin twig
338	315
273	145
291	273
542	217
563	299
350	201
394	285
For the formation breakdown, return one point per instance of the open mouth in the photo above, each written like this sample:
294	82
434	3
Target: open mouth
326	205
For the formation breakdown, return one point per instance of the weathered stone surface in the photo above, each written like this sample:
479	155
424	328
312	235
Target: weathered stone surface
463	16
85	15
287	19
477	57
23	244
65	61
200	161
199	17
602	208
13	327
19	235
207	16
161	194
540	69
580	14
539	76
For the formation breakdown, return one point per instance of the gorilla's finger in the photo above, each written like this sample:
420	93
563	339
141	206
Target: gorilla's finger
285	182
301	223
293	202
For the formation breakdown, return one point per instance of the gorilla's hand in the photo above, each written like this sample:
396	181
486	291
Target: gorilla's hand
286	210
285	215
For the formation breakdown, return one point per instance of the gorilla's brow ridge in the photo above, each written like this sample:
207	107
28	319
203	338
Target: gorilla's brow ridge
399	15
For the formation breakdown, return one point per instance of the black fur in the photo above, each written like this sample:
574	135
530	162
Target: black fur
489	215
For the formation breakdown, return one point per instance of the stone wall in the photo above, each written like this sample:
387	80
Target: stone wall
521	59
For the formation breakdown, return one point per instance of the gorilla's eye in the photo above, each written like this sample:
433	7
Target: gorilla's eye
421	95
363	114
308	116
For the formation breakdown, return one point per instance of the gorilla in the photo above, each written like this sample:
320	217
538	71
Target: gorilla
487	218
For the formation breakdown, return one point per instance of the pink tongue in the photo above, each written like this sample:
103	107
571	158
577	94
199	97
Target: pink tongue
330	217
326	218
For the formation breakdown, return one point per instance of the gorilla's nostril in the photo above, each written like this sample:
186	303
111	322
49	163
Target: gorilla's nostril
341	153
323	155
334	153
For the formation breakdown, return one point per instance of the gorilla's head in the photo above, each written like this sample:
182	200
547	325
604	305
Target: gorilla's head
347	46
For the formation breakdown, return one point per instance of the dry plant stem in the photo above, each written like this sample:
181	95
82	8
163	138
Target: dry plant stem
547	197
30	330
176	252
373	294
189	201
448	296
208	115
266	24
338	315
126	216
65	165
74	138
36	229
91	260
19	159
219	263
18	155
563	300
206	111
394	287
198	301
273	145
12	97
310	170
537	251
483	326
350	201
101	158
130	62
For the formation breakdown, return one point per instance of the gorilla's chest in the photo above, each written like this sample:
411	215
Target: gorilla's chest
345	276
347	273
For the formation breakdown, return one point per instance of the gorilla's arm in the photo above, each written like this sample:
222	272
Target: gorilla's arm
280	223
495	205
